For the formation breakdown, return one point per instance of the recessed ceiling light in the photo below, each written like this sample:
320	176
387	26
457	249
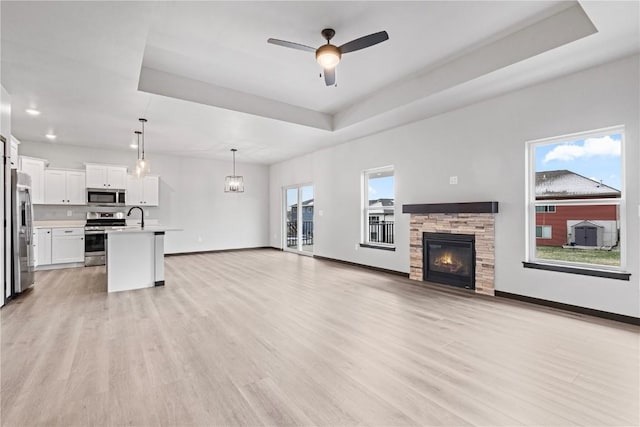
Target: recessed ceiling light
133	145
50	136
32	112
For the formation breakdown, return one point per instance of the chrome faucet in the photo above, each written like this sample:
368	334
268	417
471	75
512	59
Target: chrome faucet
141	214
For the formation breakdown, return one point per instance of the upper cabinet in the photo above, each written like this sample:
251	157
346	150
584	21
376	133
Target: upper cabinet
14	152
64	187
151	190
35	169
143	191
103	176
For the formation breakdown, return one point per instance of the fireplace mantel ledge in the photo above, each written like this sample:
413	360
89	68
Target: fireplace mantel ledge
451	208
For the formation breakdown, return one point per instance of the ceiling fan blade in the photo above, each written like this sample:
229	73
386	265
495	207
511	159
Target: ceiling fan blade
330	76
363	42
292	45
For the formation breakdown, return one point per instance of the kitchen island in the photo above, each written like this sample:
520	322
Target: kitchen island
135	257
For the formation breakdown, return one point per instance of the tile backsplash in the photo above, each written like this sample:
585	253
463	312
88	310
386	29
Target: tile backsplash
59	213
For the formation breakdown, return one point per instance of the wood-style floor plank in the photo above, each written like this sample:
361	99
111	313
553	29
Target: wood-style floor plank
266	338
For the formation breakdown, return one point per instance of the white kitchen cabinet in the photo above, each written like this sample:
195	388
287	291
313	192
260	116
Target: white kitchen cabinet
151	190
42	249
55	187
64	187
76	188
35	169
143	191
67	245
104	176
134	190
117	177
96	176
14	152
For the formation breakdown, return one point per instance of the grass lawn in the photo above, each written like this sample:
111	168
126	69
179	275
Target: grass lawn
590	256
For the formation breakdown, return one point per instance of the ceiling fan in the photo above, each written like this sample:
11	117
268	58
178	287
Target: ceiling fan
329	55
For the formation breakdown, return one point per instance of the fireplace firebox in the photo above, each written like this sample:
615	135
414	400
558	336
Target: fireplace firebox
449	259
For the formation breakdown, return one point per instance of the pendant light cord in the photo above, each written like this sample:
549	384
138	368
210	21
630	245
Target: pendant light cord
143	139
233	151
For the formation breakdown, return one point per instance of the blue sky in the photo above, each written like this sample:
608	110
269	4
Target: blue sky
292	195
596	158
381	188
307	193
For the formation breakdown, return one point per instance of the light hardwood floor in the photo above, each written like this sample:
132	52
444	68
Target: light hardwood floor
269	338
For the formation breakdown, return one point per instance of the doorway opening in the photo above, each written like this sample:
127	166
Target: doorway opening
298	219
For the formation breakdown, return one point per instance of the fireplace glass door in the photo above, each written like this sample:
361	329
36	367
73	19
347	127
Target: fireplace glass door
449	259
452	258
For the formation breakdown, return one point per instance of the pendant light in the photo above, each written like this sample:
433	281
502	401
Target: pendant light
138	133
142	165
234	183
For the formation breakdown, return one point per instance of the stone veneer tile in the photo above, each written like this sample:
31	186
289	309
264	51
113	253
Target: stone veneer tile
482	226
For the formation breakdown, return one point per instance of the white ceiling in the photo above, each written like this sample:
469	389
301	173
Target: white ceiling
211	82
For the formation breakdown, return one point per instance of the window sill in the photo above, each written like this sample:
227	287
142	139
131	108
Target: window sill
576	270
384	248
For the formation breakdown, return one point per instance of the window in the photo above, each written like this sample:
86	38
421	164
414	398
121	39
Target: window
546	208
582	176
378	207
543	231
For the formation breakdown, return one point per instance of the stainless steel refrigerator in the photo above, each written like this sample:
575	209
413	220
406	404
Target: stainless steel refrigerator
21	232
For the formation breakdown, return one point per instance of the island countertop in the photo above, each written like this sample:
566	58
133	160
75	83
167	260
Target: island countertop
138	229
59	224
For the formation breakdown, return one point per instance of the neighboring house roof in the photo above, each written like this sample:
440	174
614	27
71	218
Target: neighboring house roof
385	207
566	184
304	203
380	203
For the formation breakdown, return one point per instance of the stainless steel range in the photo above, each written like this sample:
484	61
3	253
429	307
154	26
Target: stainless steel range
94	234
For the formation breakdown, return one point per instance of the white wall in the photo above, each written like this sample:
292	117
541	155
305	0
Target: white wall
192	196
5	187
484	145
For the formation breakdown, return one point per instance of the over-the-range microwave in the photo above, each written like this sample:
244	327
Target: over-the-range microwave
102	197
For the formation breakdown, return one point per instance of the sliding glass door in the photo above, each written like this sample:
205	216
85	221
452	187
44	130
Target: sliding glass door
298	219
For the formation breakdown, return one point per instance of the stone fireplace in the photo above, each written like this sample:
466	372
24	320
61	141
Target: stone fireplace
451	236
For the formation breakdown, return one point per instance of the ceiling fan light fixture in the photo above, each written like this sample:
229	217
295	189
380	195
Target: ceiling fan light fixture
328	56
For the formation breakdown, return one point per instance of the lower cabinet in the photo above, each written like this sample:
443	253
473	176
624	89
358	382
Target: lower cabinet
42	249
67	245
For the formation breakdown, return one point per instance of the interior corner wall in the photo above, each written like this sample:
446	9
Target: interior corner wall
192	196
484	146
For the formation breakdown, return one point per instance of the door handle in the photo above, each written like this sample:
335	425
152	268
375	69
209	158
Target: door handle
68	231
